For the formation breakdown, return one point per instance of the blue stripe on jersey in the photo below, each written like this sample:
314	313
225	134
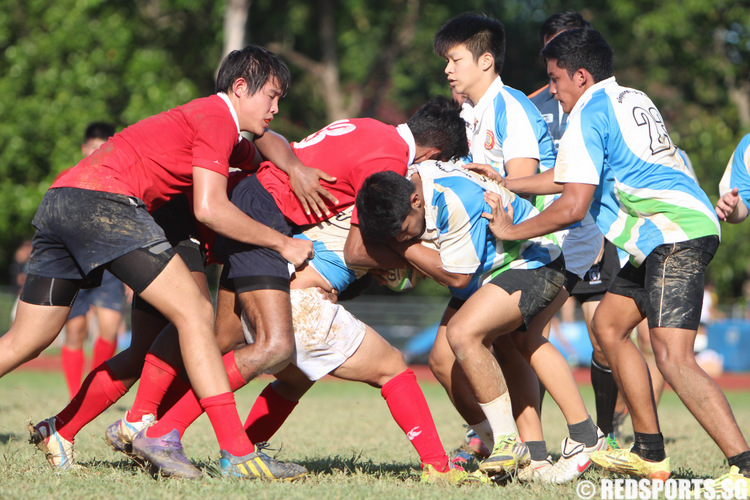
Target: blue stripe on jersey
329	264
492	254
739	175
637	179
546	144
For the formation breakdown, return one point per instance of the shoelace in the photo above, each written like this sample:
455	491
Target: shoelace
506	441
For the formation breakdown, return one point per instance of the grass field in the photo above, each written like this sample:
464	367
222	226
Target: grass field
342	432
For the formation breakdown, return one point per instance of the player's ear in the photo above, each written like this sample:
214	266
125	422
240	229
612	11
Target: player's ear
239	87
582	77
431	154
416	200
486	61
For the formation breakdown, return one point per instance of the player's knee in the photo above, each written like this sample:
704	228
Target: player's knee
604	333
277	349
440	366
673	361
128	363
458	339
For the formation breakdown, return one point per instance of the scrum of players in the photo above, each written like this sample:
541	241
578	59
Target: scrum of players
501	198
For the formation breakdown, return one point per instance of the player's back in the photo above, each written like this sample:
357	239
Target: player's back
454	203
350	150
616	138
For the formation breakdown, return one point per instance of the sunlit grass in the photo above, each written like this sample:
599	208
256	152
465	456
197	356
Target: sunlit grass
342	432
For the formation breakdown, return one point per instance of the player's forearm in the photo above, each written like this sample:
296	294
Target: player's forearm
369	254
538	184
372	255
229	221
739	214
428	262
551	219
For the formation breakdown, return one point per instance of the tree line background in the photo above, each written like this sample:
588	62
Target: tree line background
65	63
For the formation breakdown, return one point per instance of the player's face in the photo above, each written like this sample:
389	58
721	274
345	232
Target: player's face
413	226
462	70
256	111
563	87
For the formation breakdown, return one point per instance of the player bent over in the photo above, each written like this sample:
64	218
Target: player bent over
617	161
344	151
328	339
96	217
520	279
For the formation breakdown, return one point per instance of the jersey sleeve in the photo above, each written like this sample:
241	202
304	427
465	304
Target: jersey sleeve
581	156
214	140
521	139
737	174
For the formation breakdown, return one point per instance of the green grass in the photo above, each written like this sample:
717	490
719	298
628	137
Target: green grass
342	432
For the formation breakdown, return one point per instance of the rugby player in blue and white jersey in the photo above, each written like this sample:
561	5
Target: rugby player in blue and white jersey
616	159
508	138
735	185
445	201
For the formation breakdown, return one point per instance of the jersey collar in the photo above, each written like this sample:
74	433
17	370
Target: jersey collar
405	132
586	96
225	98
489	95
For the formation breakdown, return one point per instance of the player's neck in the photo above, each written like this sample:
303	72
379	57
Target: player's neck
481	86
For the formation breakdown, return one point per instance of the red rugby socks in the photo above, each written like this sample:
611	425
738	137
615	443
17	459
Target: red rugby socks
410	411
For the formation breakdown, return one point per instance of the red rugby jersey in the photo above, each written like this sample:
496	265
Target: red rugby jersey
350	150
153	159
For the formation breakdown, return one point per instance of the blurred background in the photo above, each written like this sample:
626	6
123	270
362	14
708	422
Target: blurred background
65	63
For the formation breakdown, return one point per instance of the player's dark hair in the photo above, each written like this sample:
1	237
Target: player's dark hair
438	124
562	21
479	33
98	130
256	65
581	48
383	202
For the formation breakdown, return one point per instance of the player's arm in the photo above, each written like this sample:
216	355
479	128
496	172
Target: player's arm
521	167
305	181
427	260
245	156
538	184
517	167
570	207
369	254
212	208
731	208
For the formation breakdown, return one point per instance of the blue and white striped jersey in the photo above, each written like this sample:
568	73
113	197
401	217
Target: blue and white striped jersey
454	203
737	173
504	125
329	237
645	195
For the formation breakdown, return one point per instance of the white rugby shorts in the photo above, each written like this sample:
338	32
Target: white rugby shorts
325	334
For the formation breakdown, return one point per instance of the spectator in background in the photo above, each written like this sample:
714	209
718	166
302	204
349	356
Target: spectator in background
105	302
